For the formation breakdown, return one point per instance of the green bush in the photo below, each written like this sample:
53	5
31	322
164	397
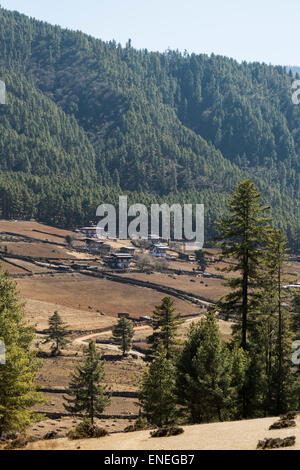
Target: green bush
276	443
167	432
50	435
283	423
86	430
140	424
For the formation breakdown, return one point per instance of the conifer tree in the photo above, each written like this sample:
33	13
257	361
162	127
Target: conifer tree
57	333
240	366
69	240
123	335
86	388
17	390
186	374
204	381
295	321
200	258
165	323
274	260
157	396
259	383
269	377
242	236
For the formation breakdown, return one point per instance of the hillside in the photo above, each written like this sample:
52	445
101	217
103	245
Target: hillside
87	120
294	69
238	435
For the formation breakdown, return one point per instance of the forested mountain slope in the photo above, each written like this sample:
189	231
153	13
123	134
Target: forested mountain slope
87	120
295	70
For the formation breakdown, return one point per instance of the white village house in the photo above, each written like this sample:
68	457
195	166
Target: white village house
159	251
119	260
92	232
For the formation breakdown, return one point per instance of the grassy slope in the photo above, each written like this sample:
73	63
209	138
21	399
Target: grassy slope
238	435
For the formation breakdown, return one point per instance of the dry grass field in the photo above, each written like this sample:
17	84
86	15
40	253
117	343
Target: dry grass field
33	229
21	266
91	294
38	250
237	435
121	374
38	313
119	405
13	270
209	288
64	424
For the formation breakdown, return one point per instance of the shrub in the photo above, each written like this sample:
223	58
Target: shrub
141	424
86	430
143	262
18	442
283	423
50	435
167	431
276	443
289	415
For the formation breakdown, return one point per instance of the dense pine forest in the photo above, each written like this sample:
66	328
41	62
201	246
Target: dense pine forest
87	120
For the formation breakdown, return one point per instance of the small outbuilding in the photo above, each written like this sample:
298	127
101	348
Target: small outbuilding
124	315
94	245
153	238
92	232
130	250
187	257
145	319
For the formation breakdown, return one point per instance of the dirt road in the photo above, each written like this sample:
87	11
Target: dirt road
82	340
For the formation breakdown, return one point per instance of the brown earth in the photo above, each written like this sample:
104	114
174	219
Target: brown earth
29	228
38	250
38	313
12	269
118	406
25	266
65	424
211	288
121	375
86	293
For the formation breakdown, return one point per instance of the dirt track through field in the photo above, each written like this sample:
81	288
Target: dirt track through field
82	340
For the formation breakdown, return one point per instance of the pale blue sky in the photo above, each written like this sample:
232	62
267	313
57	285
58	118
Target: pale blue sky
263	30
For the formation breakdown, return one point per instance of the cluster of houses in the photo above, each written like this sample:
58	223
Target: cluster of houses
95	242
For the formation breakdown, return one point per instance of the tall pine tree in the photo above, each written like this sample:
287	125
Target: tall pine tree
86	389
17	390
208	374
242	237
56	333
123	335
165	323
157	396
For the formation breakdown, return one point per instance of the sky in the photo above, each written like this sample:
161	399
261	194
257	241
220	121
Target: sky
256	30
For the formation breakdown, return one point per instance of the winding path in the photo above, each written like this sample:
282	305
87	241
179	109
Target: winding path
82	340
